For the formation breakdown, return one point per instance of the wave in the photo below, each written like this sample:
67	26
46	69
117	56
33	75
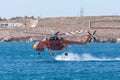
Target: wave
82	57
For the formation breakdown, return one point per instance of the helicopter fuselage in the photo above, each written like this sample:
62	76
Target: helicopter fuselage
51	44
56	44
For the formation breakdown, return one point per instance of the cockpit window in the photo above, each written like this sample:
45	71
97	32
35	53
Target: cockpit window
37	43
53	38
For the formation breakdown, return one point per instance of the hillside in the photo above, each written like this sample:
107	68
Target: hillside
107	27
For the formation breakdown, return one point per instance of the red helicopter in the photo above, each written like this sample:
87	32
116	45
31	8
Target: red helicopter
58	43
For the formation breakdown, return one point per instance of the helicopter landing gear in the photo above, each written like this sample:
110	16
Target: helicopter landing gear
52	54
38	53
66	54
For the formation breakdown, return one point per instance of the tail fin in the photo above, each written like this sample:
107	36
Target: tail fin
86	39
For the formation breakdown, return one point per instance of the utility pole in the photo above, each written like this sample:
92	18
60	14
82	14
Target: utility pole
81	12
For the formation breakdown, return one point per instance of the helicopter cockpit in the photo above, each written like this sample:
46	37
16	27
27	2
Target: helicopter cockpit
53	38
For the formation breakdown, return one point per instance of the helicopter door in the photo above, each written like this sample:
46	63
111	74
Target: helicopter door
54	46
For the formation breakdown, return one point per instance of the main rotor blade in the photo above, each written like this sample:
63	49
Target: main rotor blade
31	32
52	31
35	33
73	32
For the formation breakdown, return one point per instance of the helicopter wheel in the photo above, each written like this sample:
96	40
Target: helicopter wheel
66	54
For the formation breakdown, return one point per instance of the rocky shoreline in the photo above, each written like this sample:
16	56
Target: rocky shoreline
32	39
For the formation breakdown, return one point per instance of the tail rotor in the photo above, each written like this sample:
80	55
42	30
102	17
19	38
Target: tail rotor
93	38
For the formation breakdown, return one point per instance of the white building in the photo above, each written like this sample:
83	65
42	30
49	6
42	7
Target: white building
11	24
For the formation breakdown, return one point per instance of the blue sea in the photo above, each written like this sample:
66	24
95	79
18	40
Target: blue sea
94	61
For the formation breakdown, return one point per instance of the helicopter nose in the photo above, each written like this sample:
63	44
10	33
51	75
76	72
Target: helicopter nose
35	46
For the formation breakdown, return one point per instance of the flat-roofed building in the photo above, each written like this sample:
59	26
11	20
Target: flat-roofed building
11	24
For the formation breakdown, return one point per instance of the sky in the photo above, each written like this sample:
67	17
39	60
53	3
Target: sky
58	8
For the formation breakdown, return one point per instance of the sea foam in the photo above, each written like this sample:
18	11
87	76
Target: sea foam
82	57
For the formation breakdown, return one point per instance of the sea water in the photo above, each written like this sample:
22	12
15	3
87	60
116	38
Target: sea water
94	61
